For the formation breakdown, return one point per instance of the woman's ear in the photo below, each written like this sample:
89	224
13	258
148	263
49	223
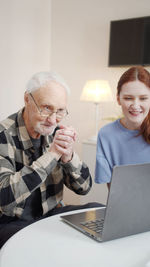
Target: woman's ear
118	100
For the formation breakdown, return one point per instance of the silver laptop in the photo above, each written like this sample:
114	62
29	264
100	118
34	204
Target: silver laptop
128	206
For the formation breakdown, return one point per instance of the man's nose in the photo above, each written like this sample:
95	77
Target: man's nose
52	118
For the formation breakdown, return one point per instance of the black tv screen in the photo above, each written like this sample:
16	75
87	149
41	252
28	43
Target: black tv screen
129	42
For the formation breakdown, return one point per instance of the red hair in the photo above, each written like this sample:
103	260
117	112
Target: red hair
141	74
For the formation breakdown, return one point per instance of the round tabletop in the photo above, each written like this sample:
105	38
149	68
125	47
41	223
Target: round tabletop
52	242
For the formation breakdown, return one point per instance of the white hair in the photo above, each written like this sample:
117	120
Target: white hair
40	79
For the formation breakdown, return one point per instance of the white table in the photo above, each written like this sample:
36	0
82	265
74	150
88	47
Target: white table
51	242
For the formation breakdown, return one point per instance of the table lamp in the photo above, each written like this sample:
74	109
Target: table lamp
96	91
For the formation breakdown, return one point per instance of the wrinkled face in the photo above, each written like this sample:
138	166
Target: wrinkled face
52	97
134	99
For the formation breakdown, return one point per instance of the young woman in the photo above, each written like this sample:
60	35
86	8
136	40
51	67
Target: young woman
126	140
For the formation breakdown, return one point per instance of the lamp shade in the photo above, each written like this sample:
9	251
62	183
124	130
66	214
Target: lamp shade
96	91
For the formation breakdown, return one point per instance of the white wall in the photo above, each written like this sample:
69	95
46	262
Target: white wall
25	28
80	43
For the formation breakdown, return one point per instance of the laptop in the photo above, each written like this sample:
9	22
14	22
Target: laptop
128	206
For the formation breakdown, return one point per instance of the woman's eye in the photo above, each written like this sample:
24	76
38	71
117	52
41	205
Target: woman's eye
127	98
143	98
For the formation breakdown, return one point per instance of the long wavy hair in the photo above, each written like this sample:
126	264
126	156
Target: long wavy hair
142	75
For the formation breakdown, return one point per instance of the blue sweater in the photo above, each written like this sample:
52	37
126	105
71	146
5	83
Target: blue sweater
117	145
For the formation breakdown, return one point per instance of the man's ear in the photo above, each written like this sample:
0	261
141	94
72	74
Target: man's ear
118	100
26	98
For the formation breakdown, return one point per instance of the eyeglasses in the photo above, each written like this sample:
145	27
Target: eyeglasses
47	112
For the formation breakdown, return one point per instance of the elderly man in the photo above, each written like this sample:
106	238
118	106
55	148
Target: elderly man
37	157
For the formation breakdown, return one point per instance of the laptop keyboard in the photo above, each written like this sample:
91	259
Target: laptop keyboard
96	225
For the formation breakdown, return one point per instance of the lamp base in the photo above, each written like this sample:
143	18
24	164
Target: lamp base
93	139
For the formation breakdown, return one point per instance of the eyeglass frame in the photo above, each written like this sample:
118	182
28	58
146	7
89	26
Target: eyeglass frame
51	112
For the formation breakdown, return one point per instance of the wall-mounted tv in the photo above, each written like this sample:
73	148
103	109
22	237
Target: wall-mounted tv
129	42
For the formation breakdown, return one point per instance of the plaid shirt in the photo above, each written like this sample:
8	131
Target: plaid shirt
20	175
